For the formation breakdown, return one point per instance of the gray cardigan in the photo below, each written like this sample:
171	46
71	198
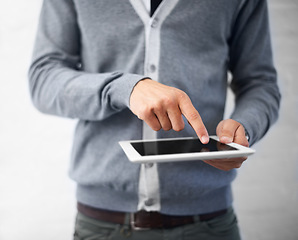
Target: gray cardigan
89	55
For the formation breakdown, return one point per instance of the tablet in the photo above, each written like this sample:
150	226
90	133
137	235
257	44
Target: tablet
181	149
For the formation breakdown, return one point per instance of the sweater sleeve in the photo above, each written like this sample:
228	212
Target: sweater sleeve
57	84
254	81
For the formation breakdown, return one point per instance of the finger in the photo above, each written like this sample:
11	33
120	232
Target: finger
226	130
176	119
151	119
163	119
224	167
194	119
226	164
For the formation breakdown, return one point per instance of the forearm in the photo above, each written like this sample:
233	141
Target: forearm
257	108
71	93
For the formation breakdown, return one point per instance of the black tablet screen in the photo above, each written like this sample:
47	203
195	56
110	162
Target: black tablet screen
179	146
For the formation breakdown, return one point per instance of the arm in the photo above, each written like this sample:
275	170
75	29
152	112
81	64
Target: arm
254	82
57	84
254	77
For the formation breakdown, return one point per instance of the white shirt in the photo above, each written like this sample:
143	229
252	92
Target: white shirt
147	4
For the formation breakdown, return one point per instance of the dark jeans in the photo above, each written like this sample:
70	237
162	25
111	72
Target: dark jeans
224	227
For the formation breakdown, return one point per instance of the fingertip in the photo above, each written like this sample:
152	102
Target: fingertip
205	139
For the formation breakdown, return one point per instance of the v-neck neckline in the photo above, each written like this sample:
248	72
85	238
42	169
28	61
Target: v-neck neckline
163	10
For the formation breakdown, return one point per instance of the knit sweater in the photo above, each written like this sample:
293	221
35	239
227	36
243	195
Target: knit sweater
89	55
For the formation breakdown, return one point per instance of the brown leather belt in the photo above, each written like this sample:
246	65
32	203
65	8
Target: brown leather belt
145	220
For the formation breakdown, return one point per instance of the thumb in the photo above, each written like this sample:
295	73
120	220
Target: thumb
226	130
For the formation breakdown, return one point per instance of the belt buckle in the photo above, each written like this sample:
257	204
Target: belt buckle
133	226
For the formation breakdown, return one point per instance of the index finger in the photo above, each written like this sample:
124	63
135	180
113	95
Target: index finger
194	119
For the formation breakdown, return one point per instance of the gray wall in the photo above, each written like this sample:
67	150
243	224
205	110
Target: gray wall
266	190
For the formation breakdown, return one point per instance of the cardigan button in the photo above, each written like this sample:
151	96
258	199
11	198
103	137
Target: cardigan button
149	202
154	23
152	68
148	165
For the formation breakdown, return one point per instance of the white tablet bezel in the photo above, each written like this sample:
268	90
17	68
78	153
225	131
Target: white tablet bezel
135	157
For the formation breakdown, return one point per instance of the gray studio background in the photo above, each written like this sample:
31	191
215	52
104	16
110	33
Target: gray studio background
36	196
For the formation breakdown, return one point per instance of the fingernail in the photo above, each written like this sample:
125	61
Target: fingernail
205	139
226	139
